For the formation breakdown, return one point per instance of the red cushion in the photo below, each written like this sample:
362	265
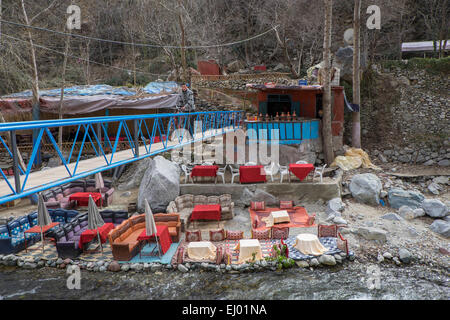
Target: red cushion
217	235
261	234
286	204
280	233
192	236
235	235
258	206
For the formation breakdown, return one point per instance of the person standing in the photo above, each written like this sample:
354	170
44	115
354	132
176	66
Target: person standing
186	105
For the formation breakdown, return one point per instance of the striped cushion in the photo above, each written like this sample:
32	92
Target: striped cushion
258	206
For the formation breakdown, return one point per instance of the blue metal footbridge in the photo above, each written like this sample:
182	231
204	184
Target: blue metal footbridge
140	136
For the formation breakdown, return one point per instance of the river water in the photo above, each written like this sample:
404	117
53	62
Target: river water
349	282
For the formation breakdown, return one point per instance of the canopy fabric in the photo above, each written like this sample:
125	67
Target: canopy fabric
81	105
95	220
150	226
43	215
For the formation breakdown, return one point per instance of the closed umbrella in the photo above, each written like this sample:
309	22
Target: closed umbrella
43	217
99	184
95	220
150	225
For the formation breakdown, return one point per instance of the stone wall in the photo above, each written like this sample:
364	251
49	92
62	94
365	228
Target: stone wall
405	115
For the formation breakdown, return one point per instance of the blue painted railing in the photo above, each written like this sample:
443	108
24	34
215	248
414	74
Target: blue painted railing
145	128
287	132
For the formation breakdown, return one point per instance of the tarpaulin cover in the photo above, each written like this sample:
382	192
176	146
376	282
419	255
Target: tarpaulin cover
161	87
353	159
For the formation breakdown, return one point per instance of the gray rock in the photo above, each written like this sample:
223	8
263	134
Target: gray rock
133	176
446	218
412	231
397	262
156	267
335	205
382	158
366	188
160	184
263	263
441	180
114	266
137	267
433	188
406	213
314	262
399	197
429	163
102	269
125	267
419	212
327	260
392	216
182	268
338	258
383	194
404	256
228	267
30	265
339	220
441	227
435	208
387	255
204	265
246	198
370	233
444	163
59	261
302	264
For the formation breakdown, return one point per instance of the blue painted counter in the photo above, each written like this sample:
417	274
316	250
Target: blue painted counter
288	132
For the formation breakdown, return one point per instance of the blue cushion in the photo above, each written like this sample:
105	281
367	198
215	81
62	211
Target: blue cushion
14	228
4	232
32	218
24	224
15	241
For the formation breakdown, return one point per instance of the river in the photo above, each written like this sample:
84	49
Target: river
347	283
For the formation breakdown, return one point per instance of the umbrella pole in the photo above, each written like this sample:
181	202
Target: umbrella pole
99	241
157	244
42	240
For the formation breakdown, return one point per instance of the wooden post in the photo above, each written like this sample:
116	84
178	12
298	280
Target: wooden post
327	132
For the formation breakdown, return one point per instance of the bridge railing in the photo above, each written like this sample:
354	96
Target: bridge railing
143	135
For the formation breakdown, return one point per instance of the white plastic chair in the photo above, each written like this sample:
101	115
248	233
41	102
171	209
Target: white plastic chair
250	163
187	173
234	173
284	171
207	163
319	171
272	169
221	173
301	162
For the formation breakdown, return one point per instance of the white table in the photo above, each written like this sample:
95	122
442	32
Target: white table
248	247
201	250
309	244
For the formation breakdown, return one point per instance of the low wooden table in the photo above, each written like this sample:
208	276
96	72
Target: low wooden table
82	198
309	244
201	250
207	212
248	247
37	229
280	216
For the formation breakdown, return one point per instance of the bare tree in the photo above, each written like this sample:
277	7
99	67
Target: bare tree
327	132
356	118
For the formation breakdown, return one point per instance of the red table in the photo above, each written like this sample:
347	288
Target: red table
204	171
301	171
82	198
37	229
163	236
252	174
207	212
89	235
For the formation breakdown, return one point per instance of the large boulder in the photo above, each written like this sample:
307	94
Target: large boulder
435	208
366	188
160	184
133	176
399	197
269	199
370	233
235	66
441	227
